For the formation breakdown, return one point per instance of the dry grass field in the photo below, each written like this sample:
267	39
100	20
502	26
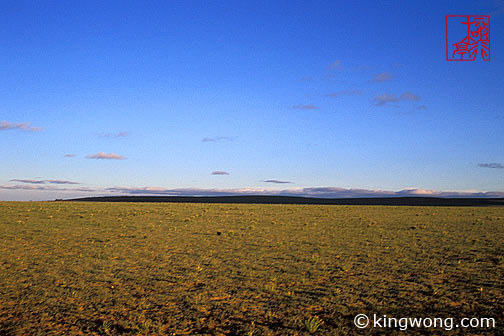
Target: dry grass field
71	268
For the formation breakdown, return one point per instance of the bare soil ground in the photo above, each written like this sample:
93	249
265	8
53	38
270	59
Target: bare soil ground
71	268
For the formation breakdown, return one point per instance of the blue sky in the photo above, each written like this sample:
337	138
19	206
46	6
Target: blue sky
235	97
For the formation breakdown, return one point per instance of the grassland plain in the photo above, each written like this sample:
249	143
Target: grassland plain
70	268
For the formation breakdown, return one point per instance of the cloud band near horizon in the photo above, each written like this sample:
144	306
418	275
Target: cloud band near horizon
317	192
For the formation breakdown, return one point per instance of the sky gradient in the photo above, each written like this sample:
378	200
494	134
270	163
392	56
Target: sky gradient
315	98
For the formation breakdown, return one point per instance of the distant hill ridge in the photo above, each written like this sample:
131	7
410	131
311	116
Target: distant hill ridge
392	201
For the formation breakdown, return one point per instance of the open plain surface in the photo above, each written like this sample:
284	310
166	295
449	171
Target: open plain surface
72	268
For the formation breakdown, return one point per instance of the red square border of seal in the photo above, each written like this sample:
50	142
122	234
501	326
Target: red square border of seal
470	45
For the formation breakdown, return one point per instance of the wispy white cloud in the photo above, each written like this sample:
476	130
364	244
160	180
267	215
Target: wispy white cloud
344	93
491	165
276	181
385	99
305	107
29	181
105	156
61	182
409	96
220	172
115	135
382	77
6	125
44	181
70	155
45	188
217	138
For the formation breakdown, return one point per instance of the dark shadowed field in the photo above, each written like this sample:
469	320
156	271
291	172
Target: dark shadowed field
394	201
72	268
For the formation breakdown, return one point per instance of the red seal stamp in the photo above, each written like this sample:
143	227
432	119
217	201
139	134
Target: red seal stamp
467	37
